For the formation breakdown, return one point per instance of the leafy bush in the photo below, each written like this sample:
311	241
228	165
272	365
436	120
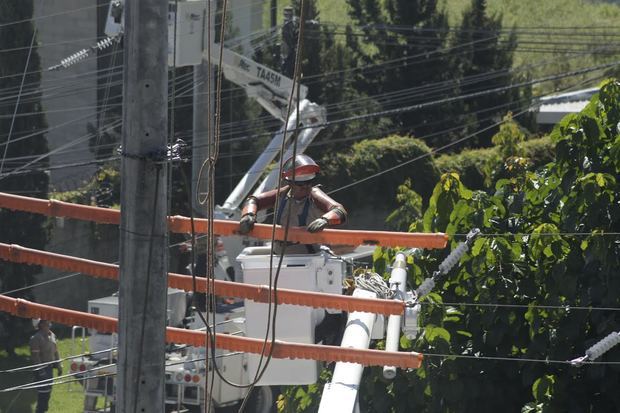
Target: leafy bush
472	165
103	189
552	251
372	156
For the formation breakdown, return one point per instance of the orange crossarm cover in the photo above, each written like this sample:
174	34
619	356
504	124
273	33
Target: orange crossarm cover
327	236
53	208
258	293
181	224
282	350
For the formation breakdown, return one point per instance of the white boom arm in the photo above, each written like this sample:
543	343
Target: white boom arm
270	88
310	114
252	176
312	117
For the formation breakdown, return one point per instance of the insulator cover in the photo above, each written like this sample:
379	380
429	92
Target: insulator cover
603	346
426	287
454	257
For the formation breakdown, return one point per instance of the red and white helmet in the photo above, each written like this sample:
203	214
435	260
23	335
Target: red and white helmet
302	167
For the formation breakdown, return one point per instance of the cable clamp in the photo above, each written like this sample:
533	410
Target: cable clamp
174	152
579	361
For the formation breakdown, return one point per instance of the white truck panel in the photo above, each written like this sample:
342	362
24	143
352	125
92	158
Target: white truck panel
317	272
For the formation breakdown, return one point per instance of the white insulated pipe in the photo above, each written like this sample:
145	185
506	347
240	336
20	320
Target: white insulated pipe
398	282
340	395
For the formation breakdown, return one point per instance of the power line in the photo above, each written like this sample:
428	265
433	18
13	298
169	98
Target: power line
33	19
6	147
513	359
258	135
567	307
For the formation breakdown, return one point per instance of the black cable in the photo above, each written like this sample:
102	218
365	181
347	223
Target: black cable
158	169
272	322
241	139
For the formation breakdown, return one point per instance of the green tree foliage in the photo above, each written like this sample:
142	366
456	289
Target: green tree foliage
473	165
412	40
537	261
20	227
482	57
325	70
407	37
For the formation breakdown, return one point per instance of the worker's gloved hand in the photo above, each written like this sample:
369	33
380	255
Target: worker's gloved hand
247	223
59	368
317	225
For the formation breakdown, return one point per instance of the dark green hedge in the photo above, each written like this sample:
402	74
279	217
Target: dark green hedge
372	156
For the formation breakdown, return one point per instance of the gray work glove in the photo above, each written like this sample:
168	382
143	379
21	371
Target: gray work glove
317	225
247	223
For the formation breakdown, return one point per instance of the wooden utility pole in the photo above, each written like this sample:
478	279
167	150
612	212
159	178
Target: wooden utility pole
144	235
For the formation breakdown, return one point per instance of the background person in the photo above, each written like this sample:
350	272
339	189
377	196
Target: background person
44	349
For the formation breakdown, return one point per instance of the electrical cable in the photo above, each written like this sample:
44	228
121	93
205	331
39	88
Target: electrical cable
41	45
47	363
233	155
228	141
6	146
151	237
33	19
458	46
455	46
209	298
237	154
271	322
566	307
515	359
54	381
34	385
533	30
45	70
81	139
448	87
59	149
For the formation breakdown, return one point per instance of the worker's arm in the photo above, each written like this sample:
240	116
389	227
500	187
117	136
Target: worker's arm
334	212
58	364
255	203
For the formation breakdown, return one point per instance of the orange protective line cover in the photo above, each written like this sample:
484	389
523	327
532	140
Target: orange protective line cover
259	293
181	224
27	309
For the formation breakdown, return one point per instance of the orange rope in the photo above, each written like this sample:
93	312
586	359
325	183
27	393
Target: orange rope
27	309
258	293
181	224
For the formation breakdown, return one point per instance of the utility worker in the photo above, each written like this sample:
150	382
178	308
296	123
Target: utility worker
310	207
43	349
290	32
